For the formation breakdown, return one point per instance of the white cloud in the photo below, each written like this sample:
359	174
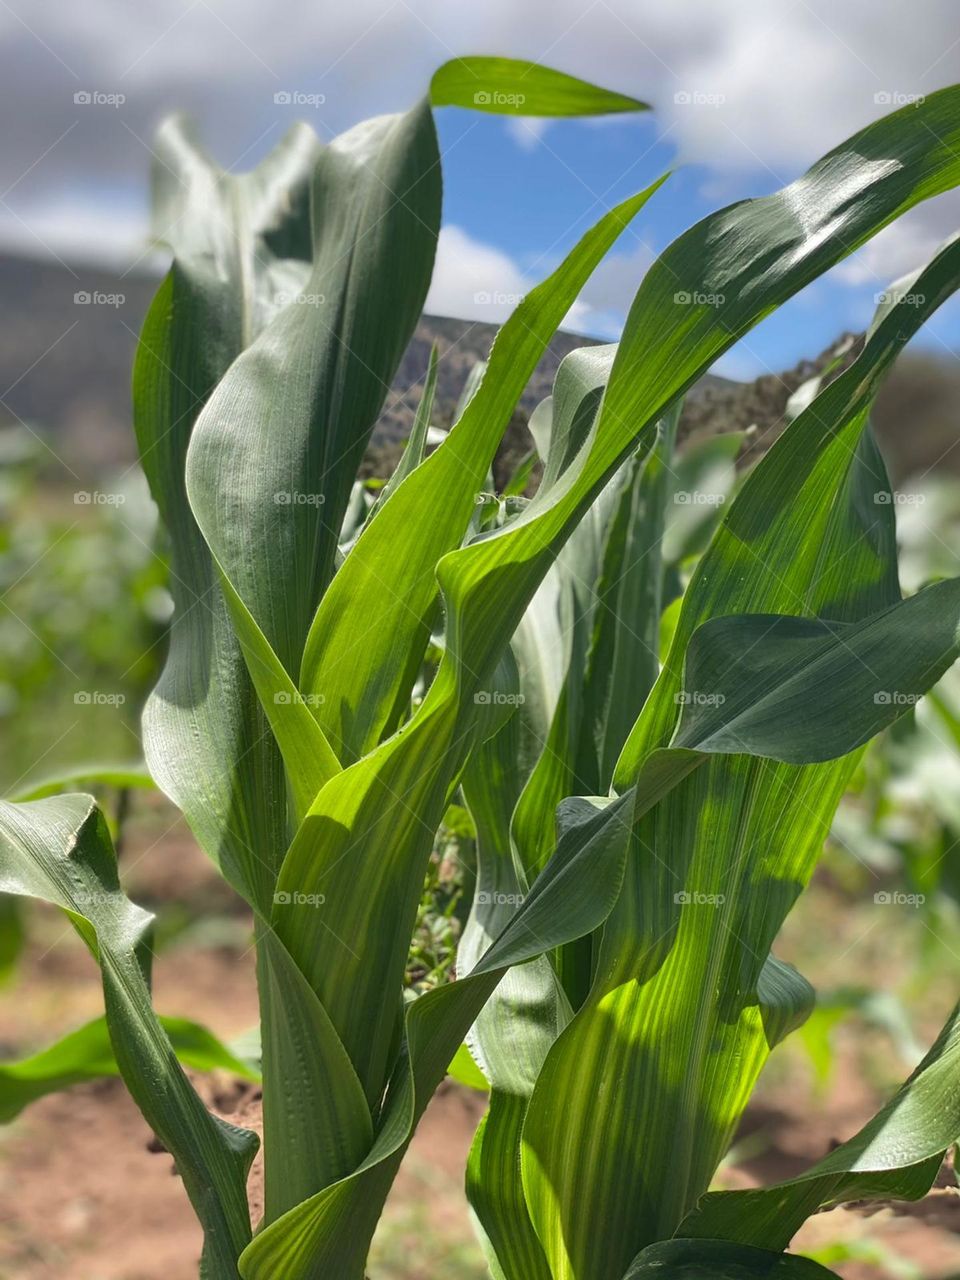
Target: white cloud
900	248
476	281
96	232
772	82
527	131
473	281
758	86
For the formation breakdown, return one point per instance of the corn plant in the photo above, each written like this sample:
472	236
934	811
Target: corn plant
293	728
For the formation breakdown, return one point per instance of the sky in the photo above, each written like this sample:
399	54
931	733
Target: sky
746	95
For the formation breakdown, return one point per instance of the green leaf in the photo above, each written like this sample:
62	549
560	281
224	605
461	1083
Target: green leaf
464	1070
317	1126
719	1260
518	1024
87	1054
896	1155
239	242
745	673
121	776
273	455
412	455
59	850
509	86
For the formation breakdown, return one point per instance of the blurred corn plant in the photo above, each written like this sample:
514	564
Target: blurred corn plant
83	611
295	728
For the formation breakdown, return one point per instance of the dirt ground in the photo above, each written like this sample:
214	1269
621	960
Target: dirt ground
83	1198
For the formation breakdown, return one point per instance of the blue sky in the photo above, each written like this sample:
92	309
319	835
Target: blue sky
747	94
557	183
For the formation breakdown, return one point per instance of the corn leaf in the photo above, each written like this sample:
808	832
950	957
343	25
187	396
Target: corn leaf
59	850
719	1260
509	85
896	1155
87	1054
238	243
121	776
